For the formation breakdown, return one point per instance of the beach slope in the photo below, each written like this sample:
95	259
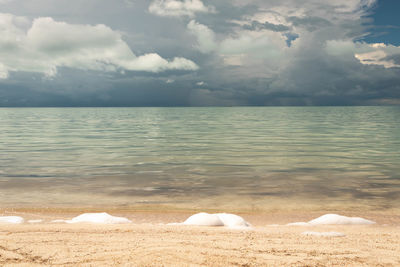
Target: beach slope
159	244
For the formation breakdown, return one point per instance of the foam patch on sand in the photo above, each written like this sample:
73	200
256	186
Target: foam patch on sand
324	234
101	218
11	219
217	219
338	219
334	219
232	220
204	219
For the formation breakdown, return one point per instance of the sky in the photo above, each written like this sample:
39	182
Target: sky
199	52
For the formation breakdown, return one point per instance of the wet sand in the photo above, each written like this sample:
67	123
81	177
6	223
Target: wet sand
150	242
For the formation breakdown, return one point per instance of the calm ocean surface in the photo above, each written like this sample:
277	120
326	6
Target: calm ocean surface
78	156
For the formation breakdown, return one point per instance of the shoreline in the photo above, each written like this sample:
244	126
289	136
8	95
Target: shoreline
150	241
169	214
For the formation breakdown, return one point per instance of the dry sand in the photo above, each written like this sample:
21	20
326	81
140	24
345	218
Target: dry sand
149	242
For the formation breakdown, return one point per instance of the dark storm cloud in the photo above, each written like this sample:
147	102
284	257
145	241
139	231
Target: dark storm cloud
260	53
311	23
395	58
255	25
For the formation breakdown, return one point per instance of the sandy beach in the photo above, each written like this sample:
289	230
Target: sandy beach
199	133
149	241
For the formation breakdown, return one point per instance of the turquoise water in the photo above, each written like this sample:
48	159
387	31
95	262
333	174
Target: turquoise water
160	155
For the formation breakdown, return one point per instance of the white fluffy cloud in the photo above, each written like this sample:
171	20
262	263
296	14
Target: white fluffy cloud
205	36
258	43
368	54
337	5
282	30
380	55
177	8
252	52
46	44
309	15
243	48
3	72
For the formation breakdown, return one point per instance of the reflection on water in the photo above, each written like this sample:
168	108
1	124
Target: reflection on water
125	155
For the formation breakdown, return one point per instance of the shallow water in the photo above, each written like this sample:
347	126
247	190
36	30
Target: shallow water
76	156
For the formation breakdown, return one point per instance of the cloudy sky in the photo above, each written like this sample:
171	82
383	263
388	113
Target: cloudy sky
199	52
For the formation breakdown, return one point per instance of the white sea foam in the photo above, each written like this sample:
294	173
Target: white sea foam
204	219
324	234
338	219
11	219
334	219
103	218
218	219
35	221
232	220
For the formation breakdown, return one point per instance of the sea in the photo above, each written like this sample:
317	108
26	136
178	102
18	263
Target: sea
248	158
